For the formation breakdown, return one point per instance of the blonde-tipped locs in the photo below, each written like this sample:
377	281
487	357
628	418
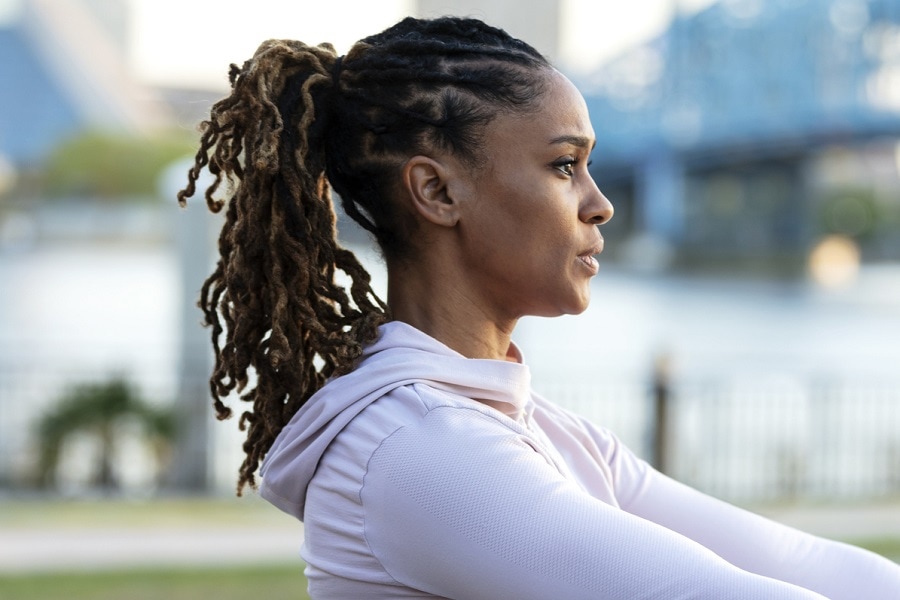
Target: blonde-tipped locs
273	293
299	120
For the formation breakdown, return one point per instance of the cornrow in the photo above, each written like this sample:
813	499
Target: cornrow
300	120
420	85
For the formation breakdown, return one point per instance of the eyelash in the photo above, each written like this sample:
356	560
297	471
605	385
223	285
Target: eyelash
565	166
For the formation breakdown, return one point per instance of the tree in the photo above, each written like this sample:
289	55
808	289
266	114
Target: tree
112	166
99	410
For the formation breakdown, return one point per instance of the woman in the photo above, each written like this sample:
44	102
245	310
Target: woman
425	466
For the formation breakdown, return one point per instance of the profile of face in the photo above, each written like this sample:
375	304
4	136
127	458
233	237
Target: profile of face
528	216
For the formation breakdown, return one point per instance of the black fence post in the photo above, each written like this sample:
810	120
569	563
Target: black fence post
660	424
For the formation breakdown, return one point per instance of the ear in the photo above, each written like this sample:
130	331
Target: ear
426	181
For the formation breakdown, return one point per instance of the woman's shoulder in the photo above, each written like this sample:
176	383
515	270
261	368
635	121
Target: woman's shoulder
422	428
414	405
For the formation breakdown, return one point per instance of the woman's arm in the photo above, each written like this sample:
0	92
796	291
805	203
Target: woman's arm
749	541
836	570
459	506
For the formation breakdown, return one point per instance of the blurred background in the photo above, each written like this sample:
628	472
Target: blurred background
744	332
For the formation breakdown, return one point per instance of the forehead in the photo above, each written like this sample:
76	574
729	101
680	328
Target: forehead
560	113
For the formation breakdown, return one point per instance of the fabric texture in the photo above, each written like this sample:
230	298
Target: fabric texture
424	474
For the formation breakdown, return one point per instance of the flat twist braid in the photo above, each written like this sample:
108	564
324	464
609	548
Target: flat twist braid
419	85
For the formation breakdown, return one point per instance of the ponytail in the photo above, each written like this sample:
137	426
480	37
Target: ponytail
273	295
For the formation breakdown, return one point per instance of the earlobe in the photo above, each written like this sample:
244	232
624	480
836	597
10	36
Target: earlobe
426	182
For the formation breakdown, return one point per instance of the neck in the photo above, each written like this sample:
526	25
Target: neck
432	300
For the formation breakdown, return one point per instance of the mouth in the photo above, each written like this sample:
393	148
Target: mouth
590	262
587	257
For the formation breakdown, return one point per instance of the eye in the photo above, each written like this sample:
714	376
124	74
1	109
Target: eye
566	166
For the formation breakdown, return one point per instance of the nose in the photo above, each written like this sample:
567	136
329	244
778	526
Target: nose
595	208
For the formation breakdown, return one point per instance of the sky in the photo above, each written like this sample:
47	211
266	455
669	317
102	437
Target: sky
192	42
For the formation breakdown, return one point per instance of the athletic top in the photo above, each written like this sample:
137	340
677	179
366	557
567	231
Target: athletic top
424	474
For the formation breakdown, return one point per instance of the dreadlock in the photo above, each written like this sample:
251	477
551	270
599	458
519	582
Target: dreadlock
300	120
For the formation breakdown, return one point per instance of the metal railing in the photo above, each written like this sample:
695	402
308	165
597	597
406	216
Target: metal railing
760	440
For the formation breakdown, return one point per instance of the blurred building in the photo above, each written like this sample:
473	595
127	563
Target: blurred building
751	128
63	68
537	21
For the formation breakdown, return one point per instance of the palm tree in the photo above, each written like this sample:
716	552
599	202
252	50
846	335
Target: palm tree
100	410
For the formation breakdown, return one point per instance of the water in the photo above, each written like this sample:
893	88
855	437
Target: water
76	312
714	327
116	307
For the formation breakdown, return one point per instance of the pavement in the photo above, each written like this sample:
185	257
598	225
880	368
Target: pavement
35	549
91	549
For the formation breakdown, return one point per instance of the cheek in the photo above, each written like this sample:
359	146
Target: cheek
554	233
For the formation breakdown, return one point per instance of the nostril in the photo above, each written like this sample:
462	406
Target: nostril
597	210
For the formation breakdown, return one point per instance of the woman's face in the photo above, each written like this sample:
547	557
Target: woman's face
529	228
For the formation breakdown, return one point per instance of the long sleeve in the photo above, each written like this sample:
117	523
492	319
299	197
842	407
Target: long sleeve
746	540
751	542
460	507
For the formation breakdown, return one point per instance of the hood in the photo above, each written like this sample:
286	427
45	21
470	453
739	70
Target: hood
401	355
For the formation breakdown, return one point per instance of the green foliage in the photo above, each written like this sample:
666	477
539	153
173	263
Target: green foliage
178	512
100	410
886	546
231	583
112	166
867	215
851	212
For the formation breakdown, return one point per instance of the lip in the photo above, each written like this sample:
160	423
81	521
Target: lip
593	250
597	248
587	257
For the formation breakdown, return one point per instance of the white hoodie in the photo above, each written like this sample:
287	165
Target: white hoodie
424	474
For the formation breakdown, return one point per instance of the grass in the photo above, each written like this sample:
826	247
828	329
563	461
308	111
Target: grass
157	512
235	583
184	583
887	547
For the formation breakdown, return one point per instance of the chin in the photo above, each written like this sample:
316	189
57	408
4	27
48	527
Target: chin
577	310
575	302
575	307
580	304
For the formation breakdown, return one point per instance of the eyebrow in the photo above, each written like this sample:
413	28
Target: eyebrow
578	141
